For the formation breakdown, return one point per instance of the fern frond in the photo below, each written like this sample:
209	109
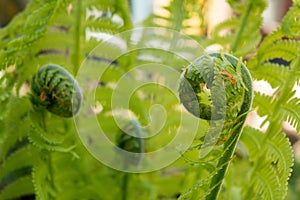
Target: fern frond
281	153
266	184
176	16
23	157
42	181
273	73
236	33
72	35
275	150
290	23
272	170
284	104
291	112
252	141
109	15
21	187
23	31
225	33
225	26
264	104
285	49
165	39
16	123
43	145
6	90
49	137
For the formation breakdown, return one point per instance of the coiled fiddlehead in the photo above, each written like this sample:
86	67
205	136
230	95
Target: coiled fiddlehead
215	87
56	89
129	139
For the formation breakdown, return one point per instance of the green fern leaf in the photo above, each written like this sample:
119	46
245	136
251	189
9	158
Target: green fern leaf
23	157
23	31
266	184
285	49
281	153
288	111
21	187
42	144
290	23
236	34
269	177
291	112
5	92
43	182
264	104
274	74
15	126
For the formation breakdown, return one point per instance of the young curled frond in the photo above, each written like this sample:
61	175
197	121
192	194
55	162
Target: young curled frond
217	87
55	89
213	87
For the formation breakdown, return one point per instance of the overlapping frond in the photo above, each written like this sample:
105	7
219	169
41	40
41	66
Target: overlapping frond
20	187
18	37
237	34
271	171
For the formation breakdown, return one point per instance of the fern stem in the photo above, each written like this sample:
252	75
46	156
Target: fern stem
125	186
224	163
48	159
243	26
51	174
179	17
76	56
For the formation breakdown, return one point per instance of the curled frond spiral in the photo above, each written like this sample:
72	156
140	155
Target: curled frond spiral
55	89
216	86
129	139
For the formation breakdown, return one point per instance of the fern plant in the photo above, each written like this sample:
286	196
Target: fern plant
41	155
